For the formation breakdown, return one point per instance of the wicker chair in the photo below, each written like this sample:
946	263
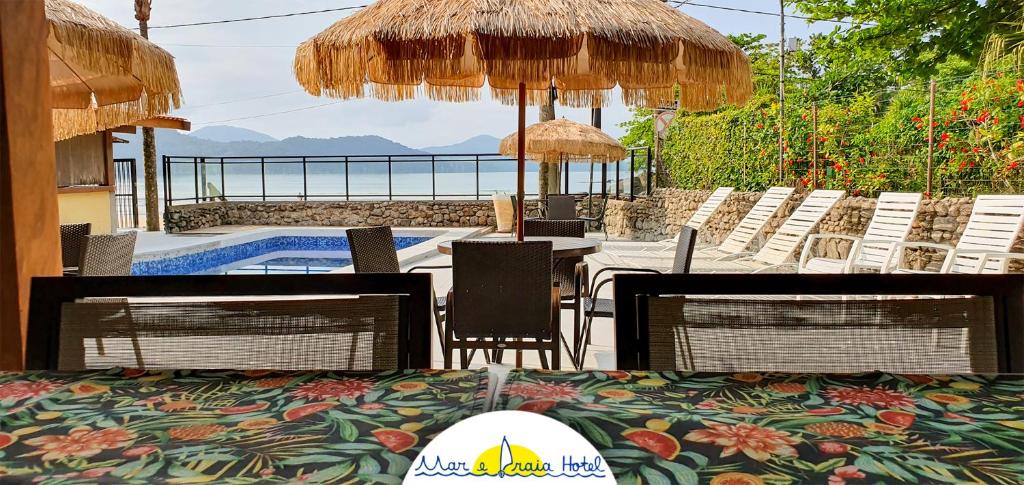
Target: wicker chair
287	322
502	298
373	251
71	237
593	307
107	254
598	218
560	208
920	324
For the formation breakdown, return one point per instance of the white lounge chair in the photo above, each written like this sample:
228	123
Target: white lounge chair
894	216
750	227
779	249
984	247
707	209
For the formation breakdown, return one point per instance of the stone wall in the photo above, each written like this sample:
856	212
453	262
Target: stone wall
448	213
661	216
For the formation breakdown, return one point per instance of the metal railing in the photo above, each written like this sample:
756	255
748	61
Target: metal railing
195	179
126	192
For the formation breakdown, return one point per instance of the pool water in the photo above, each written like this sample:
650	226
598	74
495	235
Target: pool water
272	255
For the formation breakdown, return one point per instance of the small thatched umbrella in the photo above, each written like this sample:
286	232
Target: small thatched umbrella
449	48
103	75
563	140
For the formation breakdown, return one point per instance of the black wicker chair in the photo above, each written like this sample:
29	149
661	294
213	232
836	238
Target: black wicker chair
373	251
850	323
502	298
107	254
560	208
592	306
598	218
287	322
71	237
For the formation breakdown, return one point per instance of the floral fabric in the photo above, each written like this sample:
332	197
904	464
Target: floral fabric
745	429
226	426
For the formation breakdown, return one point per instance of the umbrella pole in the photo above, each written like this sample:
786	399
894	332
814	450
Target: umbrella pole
521	163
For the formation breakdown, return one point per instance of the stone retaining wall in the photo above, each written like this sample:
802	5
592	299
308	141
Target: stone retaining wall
449	213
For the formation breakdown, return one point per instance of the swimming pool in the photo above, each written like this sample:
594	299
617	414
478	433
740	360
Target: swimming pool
282	254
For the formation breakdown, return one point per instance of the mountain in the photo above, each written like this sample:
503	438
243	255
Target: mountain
229	134
477	144
185	146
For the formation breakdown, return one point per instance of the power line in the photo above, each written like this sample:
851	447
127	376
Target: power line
680	3
240	100
248	19
264	115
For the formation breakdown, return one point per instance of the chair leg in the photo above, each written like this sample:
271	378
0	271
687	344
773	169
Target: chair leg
448	357
556	356
583	351
99	346
439	323
543	357
464	358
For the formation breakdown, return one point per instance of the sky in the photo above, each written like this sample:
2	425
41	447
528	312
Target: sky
240	74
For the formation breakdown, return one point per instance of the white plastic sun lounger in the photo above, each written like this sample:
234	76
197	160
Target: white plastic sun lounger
696	221
780	248
984	247
750	227
891	223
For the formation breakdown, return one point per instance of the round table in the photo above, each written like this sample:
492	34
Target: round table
561	247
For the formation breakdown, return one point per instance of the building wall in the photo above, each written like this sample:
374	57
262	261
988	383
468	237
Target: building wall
94	207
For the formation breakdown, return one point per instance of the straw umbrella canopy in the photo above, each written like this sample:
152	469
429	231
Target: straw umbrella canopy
447	49
103	75
564	140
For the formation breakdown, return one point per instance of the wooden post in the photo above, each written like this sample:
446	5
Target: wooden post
29	227
931	137
814	145
521	164
782	89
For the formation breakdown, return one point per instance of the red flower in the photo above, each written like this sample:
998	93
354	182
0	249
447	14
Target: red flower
841	474
958	417
1020	85
1012	165
760	126
1022	122
1020	104
944	137
333	389
24	389
878	397
80	442
965	105
916	119
833	448
550	391
754	441
983	117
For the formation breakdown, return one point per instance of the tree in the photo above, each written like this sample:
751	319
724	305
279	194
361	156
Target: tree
912	37
548	176
142	11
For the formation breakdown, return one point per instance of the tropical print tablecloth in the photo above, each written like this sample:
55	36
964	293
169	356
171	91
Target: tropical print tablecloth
745	429
210	426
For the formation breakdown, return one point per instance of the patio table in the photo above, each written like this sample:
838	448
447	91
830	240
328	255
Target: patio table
748	428
193	426
561	247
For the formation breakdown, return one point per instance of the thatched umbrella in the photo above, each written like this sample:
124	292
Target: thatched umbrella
449	48
103	75
564	140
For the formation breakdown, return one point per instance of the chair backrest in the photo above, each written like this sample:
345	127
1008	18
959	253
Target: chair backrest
894	217
373	249
708	208
107	254
753	223
994	225
787	239
301	322
684	250
71	237
820	323
501	289
561	207
554	228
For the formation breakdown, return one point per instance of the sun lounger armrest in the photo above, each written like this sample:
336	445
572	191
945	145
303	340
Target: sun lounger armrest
417	268
985	256
895	259
805	255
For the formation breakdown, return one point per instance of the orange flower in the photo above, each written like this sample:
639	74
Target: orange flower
736	478
272	382
88	389
24	389
80	442
748	377
788	387
182	405
536	391
748	410
324	389
196	432
837	429
756	442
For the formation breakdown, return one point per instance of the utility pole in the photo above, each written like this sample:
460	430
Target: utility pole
142	11
782	89
931	137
